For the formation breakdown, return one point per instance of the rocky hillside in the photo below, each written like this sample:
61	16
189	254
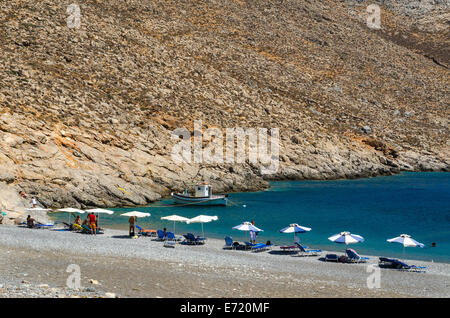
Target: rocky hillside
86	114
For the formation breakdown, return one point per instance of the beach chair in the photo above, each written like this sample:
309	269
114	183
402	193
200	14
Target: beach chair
331	258
170	240
43	226
385	262
232	245
145	232
68	226
305	251
288	248
87	230
160	235
261	247
354	257
77	227
229	243
190	239
248	245
403	266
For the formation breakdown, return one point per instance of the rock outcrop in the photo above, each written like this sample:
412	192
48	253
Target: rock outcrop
86	114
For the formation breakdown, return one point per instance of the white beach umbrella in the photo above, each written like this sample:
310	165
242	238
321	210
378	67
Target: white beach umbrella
202	219
406	241
175	218
247	226
70	211
346	238
136	214
295	228
99	210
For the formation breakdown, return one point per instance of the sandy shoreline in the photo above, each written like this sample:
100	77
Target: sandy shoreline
145	268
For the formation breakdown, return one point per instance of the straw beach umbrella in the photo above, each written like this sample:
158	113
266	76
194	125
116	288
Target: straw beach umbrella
346	238
175	218
202	219
406	241
295	228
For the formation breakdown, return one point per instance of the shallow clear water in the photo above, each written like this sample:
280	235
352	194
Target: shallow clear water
377	208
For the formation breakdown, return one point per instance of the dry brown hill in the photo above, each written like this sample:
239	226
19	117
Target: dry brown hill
86	114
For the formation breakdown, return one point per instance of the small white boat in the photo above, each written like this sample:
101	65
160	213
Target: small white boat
202	196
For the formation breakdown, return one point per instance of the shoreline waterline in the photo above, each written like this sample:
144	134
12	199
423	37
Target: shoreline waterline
376	208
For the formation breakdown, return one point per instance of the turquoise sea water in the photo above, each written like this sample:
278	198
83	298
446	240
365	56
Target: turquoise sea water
377	208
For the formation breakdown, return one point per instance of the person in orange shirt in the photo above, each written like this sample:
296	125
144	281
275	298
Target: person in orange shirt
92	223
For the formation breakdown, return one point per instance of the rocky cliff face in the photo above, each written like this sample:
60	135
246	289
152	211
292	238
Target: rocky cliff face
86	114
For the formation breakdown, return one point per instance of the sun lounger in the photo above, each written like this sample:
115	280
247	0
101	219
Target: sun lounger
331	258
68	226
77	227
289	248
336	258
170	240
232	245
87	230
306	251
43	226
354	257
145	232
160	235
261	247
385	262
248	245
397	264
190	239
228	243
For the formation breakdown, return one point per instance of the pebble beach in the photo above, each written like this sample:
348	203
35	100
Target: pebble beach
35	262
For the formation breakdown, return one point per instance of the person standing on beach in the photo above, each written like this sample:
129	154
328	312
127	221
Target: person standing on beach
253	234
33	202
92	223
132	221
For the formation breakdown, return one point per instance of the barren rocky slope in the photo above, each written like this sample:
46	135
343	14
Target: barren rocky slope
87	114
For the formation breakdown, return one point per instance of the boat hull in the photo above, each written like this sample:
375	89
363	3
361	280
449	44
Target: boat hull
188	200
